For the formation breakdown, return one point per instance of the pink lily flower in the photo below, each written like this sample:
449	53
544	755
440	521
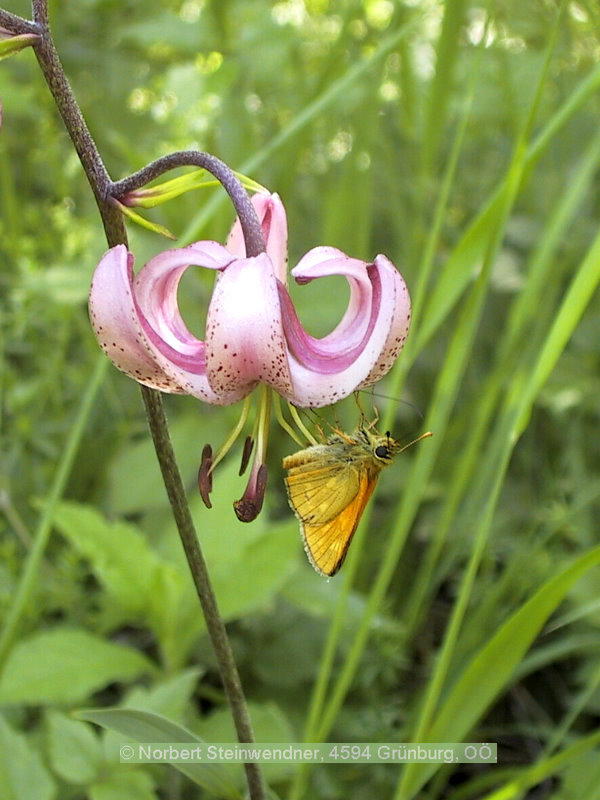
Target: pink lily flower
253	335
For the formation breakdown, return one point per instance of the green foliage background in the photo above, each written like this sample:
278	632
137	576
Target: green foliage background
462	140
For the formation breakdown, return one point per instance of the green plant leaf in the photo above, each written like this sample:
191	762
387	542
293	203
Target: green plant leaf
155	227
129	782
74	751
248	562
143	726
146	588
118	553
493	666
22	772
13	44
168	190
66	665
547	767
269	724
170	698
135	483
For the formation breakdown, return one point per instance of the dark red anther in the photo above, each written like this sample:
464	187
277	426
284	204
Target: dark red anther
205	476
250	505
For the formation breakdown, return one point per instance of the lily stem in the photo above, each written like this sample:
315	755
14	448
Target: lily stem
216	629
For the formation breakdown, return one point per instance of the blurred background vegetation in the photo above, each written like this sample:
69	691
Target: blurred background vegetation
461	139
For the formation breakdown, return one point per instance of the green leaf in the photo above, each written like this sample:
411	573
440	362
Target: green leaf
268	721
148	589
168	190
74	750
13	44
143	726
463	263
22	772
174	613
130	783
119	555
249	583
546	767
135	483
170	698
155	227
248	562
65	666
581	776
269	724
493	666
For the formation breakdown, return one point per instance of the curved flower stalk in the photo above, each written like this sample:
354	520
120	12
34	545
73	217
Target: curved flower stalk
253	335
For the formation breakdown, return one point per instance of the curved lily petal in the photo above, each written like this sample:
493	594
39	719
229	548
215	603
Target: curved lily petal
399	326
272	217
138	324
365	342
155	289
115	321
244	332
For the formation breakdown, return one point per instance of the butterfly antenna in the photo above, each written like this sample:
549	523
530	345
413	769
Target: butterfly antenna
414	441
374	395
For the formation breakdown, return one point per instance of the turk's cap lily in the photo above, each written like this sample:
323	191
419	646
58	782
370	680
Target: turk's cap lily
253	334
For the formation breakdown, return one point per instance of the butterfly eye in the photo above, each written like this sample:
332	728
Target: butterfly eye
381	451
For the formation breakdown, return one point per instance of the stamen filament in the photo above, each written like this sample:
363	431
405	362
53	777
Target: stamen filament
228	443
262	422
300	425
283	421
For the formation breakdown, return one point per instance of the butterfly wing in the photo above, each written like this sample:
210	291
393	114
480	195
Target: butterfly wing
327	544
319	484
328	497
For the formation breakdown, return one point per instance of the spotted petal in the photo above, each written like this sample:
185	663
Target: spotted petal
364	343
244	331
138	324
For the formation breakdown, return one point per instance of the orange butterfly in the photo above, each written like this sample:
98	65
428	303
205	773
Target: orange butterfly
328	487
